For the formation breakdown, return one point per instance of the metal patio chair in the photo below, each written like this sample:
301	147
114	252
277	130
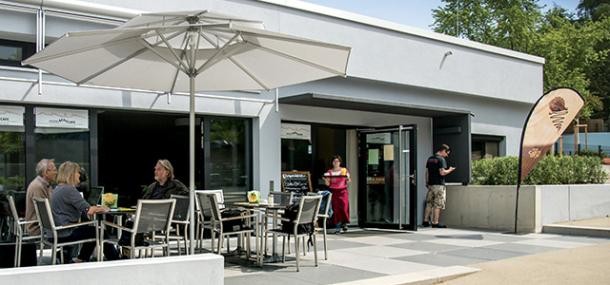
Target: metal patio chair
308	209
50	231
151	216
204	218
218	224
20	232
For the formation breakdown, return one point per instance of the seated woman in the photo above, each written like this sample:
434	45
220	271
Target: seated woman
69	206
165	183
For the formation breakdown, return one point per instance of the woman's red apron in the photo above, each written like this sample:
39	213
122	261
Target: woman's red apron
340	198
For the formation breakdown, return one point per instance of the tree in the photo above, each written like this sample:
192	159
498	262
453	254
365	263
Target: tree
504	23
571	48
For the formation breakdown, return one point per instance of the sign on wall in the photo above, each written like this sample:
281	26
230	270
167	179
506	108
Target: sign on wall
296	131
11	116
61	118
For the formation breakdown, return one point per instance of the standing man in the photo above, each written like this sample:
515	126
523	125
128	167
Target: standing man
40	187
436	170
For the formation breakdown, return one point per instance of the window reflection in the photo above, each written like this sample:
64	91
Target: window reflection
227	168
12	159
63	145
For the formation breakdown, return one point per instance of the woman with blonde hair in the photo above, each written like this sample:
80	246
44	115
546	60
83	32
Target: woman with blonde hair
69	206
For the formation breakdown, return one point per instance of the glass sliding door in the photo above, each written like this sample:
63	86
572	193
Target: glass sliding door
387	188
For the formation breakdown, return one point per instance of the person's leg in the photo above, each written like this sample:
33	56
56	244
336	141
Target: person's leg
87	248
428	209
436	216
438	205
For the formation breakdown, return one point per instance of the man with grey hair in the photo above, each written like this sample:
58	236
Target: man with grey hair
40	187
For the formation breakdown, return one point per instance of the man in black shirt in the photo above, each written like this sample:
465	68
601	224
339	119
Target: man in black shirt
436	170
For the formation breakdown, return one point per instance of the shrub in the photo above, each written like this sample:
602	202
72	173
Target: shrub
549	170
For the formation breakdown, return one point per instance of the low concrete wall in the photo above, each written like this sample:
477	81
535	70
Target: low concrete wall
493	207
193	269
490	207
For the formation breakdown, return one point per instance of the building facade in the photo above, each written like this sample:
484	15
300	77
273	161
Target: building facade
406	92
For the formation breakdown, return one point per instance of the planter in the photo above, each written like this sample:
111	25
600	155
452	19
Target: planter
493	207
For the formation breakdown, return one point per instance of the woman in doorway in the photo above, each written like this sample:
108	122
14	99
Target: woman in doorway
336	179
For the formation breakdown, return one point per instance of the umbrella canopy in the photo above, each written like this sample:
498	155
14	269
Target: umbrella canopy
188	52
160	52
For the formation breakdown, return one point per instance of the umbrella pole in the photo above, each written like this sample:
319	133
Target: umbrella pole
192	163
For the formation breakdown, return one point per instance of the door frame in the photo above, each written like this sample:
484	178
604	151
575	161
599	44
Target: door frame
412	208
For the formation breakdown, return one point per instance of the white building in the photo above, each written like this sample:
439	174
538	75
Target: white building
407	91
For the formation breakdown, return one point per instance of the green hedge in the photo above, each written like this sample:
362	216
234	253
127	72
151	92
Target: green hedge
549	170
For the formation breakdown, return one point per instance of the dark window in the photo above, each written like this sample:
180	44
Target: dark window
228	164
13	52
485	146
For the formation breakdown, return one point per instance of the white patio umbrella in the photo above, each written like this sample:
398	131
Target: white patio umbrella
188	52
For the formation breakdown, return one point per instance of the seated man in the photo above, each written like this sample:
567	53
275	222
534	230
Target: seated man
165	183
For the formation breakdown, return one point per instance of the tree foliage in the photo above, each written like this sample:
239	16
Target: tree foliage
576	49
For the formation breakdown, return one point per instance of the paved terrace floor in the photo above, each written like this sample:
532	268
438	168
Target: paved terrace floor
436	255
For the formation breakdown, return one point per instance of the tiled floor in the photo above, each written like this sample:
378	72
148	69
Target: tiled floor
365	254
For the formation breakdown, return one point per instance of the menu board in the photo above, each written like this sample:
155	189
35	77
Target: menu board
296	181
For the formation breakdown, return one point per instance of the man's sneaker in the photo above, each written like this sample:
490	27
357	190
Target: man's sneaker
344	228
439	225
425	224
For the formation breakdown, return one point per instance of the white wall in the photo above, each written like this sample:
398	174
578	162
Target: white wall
204	269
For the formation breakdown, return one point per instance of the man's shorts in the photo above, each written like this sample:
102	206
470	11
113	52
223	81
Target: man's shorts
436	196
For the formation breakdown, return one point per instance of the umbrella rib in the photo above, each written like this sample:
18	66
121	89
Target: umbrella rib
177	69
171	49
207	39
151	48
134	54
157	22
209	62
250	74
294	58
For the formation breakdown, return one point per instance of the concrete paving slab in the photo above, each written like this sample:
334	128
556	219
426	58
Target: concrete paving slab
382	251
428	246
441	259
484	253
464	242
521	248
378	240
553	243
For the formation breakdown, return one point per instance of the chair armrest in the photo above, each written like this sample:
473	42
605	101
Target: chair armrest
21	223
92	223
113	225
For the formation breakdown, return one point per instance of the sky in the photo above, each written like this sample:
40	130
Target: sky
415	13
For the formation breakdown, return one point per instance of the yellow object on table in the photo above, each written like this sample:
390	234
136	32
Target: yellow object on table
110	200
254	196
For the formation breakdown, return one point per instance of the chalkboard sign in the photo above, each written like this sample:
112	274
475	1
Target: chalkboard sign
296	181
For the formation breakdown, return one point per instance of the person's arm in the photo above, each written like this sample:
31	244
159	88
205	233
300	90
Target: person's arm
444	171
326	178
349	178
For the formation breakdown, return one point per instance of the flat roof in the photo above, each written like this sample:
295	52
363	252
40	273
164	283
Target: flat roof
391	26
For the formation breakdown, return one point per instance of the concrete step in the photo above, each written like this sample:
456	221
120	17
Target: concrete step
574	230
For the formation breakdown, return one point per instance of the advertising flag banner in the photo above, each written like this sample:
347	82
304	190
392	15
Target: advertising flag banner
547	120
